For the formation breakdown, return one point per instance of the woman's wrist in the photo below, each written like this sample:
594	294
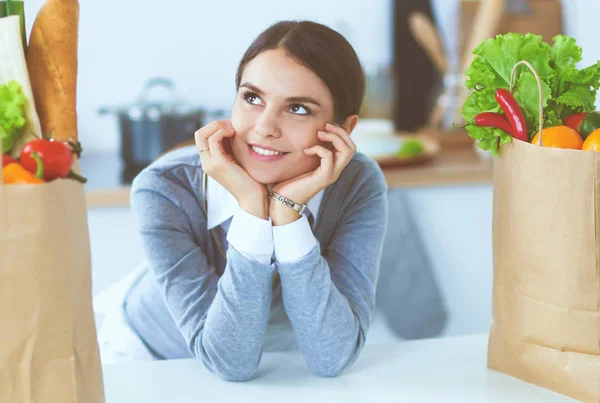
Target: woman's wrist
256	204
281	214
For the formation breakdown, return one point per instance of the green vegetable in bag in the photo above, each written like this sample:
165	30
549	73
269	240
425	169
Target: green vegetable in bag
565	88
12	114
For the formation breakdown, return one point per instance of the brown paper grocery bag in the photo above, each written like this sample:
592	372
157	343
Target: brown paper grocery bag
48	347
546	245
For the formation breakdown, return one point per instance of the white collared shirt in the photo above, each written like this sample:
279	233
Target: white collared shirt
254	237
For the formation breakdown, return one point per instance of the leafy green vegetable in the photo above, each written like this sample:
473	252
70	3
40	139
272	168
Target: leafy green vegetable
12	114
479	101
507	50
566	89
411	148
528	93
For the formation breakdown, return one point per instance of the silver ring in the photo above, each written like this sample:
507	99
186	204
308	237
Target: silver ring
202	149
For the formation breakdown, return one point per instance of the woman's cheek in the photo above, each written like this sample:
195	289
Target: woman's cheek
303	133
237	118
311	161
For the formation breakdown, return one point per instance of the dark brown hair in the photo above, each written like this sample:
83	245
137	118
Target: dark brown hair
324	51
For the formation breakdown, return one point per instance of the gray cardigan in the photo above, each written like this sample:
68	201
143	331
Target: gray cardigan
191	303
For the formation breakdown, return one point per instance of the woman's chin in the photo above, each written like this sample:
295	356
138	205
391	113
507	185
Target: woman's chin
269	176
262	177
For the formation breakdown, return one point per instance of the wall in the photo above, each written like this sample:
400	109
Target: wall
197	43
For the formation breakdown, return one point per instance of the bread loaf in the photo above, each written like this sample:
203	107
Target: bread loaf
52	65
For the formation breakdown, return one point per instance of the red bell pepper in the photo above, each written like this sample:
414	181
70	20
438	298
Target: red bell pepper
56	157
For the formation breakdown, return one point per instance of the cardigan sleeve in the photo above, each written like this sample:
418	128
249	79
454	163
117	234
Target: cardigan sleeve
329	295
222	319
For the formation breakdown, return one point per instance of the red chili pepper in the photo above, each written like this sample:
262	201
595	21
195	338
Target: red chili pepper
513	112
56	158
492	119
7	159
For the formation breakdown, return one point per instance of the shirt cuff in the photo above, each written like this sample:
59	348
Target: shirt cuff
251	236
293	241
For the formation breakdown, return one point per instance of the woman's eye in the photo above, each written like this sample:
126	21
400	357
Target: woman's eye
298	110
252	99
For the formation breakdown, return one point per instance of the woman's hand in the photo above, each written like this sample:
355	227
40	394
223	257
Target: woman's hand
304	187
213	146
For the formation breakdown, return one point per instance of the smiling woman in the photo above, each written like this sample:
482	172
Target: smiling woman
267	235
278	116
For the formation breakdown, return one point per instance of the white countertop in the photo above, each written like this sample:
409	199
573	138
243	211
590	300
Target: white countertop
437	370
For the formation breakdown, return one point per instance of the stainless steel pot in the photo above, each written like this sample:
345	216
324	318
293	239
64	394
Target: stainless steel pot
150	127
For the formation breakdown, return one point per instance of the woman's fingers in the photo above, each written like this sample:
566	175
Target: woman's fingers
344	152
218	162
212	154
201	141
342	133
201	135
326	159
215	145
335	139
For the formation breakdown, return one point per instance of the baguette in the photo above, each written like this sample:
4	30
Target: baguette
52	64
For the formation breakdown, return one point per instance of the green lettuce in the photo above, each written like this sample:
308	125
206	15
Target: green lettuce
565	88
12	114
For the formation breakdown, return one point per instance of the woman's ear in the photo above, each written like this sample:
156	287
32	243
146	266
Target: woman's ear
350	123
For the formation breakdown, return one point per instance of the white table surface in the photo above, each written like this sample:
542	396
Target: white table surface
437	370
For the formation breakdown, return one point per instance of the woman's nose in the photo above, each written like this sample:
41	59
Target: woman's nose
267	125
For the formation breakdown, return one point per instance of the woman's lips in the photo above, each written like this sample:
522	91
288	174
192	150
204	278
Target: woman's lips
267	158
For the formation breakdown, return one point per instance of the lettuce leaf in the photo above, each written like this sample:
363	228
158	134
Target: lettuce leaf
12	114
489	138
527	95
503	52
478	102
481	74
565	53
565	88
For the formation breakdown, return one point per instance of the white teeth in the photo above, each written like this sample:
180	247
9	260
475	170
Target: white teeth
265	152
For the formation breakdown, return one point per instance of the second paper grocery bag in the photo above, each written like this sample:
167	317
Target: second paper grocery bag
546	296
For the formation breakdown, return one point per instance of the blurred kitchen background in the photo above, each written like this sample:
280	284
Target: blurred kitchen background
152	72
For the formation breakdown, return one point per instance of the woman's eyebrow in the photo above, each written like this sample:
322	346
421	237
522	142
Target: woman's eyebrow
304	99
253	88
308	100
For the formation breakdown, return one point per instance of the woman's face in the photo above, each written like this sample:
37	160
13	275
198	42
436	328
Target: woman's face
280	106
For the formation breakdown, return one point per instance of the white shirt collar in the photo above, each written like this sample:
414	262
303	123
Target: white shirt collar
221	204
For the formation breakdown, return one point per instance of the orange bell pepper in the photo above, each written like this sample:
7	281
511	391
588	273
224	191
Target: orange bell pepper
14	174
